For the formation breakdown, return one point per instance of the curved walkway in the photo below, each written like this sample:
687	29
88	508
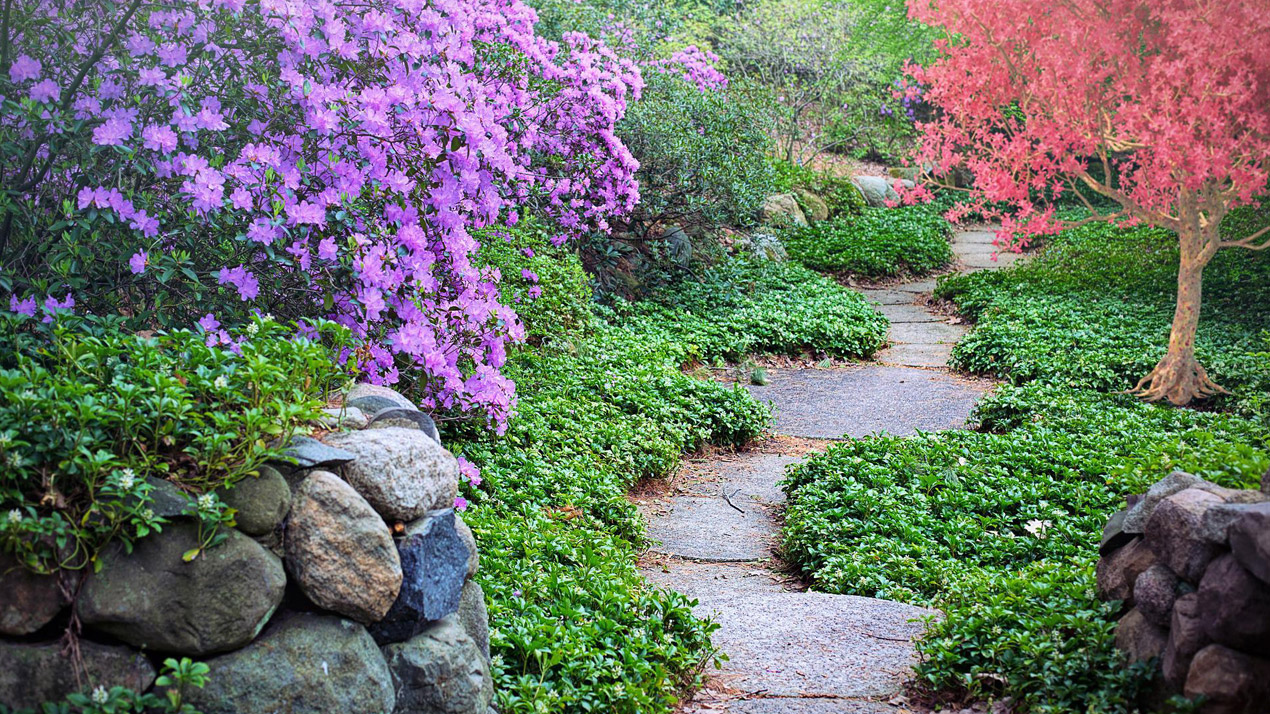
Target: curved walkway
792	651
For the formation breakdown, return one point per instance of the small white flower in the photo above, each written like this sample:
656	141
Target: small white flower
100	696
267	317
221	382
127	479
206	502
1037	528
15	516
962	460
148	514
253	328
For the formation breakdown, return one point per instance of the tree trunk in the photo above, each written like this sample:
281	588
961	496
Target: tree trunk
1179	377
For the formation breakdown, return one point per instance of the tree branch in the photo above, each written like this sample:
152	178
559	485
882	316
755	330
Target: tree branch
1248	242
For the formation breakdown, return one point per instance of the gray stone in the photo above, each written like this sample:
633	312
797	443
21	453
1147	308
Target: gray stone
403	473
1135	521
405	418
1265	482
1250	540
678	245
165	499
310	453
871	399
344	417
708	529
30	600
801	705
469	542
302	664
152	598
877	190
339	551
1218	519
1175	532
1186	637
814	207
1230	682
1139	638
1117	572
262	501
34	673
434	562
782	209
363	391
1154	592
908	313
1113	535
1234	607
789	644
440	671
926	333
474	616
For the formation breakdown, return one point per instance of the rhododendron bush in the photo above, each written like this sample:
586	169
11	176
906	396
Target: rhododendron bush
198	161
1160	106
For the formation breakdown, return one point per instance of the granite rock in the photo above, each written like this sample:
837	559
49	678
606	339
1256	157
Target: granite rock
1234	607
34	673
434	562
440	671
1175	532
402	473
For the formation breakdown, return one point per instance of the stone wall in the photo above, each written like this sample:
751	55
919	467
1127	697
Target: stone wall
344	587
1191	562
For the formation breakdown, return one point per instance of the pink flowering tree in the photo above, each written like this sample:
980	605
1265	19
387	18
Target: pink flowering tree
1161	106
183	161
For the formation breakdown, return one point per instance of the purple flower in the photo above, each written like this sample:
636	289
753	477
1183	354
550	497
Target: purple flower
137	263
114	132
248	286
24	68
45	91
460	503
22	307
209	323
327	249
159	138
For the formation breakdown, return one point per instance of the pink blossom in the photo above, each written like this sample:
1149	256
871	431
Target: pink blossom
137	263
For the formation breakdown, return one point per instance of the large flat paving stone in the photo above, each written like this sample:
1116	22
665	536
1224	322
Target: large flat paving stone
889	297
748	478
963	239
858	401
819	705
926	333
709	529
799	644
990	260
909	313
915	355
917	286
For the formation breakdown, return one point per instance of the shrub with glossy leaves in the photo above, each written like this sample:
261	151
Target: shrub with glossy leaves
88	413
309	159
876	243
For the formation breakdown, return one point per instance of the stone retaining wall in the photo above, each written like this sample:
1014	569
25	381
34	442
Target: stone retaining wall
1191	562
344	587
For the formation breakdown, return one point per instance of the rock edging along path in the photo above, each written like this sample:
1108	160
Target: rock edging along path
792	651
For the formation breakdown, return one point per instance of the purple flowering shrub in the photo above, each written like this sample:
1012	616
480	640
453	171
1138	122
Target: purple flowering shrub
206	160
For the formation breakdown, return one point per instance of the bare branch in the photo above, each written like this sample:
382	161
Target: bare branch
1249	242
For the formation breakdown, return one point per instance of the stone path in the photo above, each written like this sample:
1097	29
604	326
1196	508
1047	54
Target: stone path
716	531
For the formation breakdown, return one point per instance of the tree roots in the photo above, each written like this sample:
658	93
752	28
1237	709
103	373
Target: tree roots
1179	379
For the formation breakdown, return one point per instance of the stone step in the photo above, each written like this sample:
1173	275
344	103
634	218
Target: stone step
798	645
869	399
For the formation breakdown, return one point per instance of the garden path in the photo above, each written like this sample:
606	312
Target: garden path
793	651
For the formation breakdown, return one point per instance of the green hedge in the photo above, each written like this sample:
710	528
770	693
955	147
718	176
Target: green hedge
876	243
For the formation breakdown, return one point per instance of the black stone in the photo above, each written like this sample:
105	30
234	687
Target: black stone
1113	536
434	567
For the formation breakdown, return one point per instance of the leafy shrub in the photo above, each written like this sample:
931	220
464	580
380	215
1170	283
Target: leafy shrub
1039	634
876	243
87	413
741	307
1094	309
